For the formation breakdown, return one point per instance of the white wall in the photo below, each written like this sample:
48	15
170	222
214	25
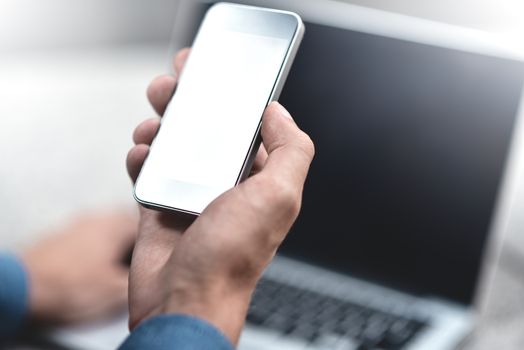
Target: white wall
33	24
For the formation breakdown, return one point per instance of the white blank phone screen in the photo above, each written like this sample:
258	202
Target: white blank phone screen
212	119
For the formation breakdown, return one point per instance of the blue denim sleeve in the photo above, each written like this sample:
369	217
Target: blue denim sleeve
13	295
176	332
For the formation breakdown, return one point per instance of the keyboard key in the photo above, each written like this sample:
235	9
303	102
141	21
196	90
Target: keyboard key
304	331
334	342
320	319
400	333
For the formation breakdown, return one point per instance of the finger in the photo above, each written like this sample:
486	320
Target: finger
123	230
146	131
180	60
120	279
260	160
160	91
290	150
105	298
161	88
135	159
116	293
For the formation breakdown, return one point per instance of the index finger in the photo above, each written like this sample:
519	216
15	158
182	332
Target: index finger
161	88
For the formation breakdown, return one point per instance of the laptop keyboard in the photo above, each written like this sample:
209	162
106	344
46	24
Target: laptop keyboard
320	319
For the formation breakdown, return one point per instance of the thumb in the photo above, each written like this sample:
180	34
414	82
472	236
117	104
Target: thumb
290	150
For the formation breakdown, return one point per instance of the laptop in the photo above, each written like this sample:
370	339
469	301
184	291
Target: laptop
415	125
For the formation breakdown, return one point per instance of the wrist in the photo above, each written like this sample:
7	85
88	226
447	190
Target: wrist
219	304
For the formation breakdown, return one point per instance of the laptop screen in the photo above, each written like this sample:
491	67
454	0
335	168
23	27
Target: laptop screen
411	144
412	141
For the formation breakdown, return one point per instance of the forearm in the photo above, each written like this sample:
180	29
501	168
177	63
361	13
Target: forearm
13	295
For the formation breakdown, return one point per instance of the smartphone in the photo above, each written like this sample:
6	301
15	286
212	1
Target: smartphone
210	131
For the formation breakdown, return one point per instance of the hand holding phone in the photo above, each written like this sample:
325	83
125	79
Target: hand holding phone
208	267
210	131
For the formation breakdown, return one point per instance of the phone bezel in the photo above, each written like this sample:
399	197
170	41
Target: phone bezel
192	198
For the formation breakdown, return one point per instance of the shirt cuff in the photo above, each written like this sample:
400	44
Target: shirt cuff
13	295
177	332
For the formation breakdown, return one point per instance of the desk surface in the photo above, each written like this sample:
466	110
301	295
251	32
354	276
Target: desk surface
66	113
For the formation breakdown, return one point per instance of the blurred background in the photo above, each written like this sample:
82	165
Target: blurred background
72	88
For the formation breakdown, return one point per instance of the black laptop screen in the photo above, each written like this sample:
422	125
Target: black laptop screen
411	145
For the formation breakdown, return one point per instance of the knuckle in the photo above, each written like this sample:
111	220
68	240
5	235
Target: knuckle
307	146
136	134
283	195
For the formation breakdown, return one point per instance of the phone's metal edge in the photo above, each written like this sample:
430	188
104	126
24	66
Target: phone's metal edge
156	206
257	139
275	94
165	208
